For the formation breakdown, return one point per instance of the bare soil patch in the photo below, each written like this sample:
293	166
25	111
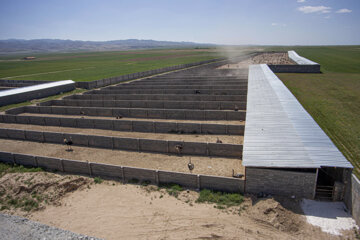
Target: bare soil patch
203	165
114	211
233	139
111	210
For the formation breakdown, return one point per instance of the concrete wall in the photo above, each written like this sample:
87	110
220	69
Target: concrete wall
132	144
186	114
158	97
126	174
352	196
208	105
355	198
280	182
170	91
295	68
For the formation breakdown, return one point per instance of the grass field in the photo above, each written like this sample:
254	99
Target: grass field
88	66
332	97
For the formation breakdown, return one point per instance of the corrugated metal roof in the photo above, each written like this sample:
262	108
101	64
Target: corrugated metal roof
278	130
35	87
300	60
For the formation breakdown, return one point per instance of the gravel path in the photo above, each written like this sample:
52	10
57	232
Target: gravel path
14	228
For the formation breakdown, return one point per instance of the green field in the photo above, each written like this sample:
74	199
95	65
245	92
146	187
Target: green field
332	97
88	66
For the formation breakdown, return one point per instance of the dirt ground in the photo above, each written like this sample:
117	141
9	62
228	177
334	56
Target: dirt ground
264	58
230	139
235	122
111	210
203	165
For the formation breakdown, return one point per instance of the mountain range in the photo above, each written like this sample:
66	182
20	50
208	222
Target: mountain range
11	46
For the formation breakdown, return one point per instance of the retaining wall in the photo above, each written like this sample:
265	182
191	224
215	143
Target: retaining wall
126	173
132	144
280	182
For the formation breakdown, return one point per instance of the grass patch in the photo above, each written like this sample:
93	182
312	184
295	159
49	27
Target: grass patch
134	181
222	200
332	98
8	168
16	105
172	189
98	180
91	66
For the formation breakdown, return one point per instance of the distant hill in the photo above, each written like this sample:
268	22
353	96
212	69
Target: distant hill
11	46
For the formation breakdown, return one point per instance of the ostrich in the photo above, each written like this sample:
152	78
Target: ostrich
68	142
119	117
190	165
236	108
197	91
218	140
82	114
178	148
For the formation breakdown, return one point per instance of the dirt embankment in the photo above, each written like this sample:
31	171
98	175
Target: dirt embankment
112	210
21	193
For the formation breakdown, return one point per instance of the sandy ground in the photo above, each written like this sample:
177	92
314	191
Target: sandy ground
232	139
111	210
264	58
203	165
235	122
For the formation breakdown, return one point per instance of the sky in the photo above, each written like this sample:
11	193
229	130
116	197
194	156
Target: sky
233	22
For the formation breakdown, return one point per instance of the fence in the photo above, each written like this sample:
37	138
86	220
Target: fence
183	114
126	173
132	76
158	97
126	125
132	144
208	105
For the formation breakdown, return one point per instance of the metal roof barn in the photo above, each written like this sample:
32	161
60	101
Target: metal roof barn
279	133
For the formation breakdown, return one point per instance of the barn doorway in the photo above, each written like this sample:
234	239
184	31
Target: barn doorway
330	184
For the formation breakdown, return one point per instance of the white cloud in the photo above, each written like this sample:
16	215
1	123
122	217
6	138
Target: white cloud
327	17
278	24
314	9
301	1
344	10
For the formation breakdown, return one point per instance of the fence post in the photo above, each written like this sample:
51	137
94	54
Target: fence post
90	169
198	182
207	149
157	177
62	165
123	174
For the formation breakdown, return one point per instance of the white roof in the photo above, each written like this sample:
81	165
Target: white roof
278	130
300	60
34	87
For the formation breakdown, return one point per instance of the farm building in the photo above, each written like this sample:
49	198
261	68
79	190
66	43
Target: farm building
285	151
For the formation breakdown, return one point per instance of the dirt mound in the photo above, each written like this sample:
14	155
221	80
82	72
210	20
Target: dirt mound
34	190
271	212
